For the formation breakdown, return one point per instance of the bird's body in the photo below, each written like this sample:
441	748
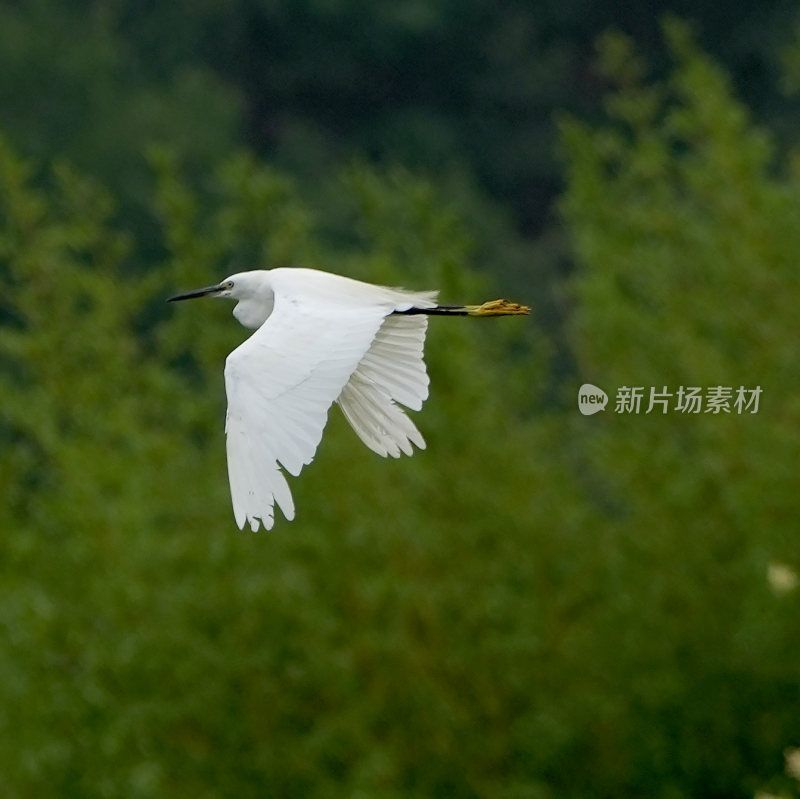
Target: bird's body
320	338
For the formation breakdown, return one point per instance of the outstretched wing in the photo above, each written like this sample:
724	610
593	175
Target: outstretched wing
280	384
392	371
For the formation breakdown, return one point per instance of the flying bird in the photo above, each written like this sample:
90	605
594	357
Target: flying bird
320	338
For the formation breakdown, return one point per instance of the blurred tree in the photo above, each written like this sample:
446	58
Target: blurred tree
686	237
72	87
426	84
539	605
141	663
443	88
429	83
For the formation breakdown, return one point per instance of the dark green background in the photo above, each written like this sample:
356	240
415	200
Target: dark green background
541	605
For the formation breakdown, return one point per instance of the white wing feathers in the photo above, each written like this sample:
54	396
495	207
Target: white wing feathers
391	371
283	379
394	361
280	384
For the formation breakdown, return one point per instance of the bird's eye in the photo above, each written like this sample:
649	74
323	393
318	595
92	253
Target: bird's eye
229	284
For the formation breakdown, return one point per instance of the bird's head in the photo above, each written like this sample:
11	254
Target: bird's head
251	289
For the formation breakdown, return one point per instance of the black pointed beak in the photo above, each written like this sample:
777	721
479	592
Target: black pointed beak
190	295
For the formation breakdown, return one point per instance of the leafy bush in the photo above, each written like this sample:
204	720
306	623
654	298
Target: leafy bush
539	605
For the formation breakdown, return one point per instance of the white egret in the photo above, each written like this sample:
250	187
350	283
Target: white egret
320	338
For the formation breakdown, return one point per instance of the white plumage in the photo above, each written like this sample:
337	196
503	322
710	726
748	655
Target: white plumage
320	338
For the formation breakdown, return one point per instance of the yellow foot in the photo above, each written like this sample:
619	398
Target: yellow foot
497	308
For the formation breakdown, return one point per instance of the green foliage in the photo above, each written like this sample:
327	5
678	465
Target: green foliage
685	229
72	86
539	605
151	648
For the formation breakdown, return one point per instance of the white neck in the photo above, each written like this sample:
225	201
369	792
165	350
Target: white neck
254	311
